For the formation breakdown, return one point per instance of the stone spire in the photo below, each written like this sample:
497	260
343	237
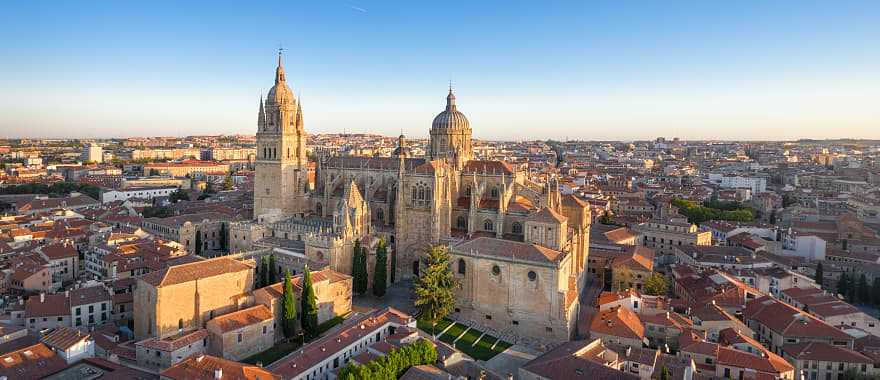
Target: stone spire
279	71
261	116
450	99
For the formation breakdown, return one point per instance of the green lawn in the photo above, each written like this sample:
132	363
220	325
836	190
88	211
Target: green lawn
453	333
276	352
481	351
426	327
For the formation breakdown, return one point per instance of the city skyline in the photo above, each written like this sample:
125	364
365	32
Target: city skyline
738	72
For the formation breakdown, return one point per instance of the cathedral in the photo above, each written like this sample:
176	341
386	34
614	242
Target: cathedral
518	246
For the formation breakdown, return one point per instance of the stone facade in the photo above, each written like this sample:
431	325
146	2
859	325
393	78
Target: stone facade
414	203
184	297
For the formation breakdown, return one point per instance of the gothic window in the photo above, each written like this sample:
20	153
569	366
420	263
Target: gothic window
415	194
288	152
532	275
494	192
517	228
380	215
461	266
488	225
467	191
421	193
461	223
265	154
428	194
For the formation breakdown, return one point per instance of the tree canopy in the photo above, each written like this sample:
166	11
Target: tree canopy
434	288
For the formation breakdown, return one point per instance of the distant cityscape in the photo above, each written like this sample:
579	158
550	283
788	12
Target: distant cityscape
289	255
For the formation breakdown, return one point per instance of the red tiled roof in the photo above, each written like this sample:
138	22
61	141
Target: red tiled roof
200	366
509	249
33	362
64	337
178	274
242	318
618	321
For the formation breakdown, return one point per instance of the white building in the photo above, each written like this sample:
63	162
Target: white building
70	344
755	184
136	192
807	246
318	360
93	153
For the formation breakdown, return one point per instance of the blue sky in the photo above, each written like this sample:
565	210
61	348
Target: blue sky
538	69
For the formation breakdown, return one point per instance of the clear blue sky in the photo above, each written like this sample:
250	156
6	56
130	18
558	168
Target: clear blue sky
759	69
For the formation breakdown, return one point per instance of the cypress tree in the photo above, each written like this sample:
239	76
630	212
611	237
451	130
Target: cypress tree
864	290
380	276
820	274
875	291
198	249
393	264
843	285
273	270
224	238
264	263
359	270
309	306
664	373
288	316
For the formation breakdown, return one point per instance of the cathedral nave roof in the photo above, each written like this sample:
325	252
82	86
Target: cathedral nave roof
508	249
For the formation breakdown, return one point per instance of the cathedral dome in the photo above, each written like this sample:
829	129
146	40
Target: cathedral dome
280	92
451	118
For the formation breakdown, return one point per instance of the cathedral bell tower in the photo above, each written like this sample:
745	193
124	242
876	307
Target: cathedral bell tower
281	178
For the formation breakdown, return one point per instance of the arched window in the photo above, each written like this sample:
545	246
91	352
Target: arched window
421	192
461	266
488	225
415	194
427	194
467	191
461	223
494	192
180	324
517	228
380	215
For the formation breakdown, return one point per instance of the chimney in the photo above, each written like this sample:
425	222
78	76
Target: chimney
218	373
42	297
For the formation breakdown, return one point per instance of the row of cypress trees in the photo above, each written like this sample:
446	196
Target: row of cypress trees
308	308
267	272
359	269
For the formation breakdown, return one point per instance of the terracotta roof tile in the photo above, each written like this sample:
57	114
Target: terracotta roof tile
242	318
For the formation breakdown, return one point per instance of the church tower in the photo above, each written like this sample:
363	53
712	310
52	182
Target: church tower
451	135
281	178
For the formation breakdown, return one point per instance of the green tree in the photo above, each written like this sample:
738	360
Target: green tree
380	274
359	269
656	285
264	264
820	274
434	288
288	308
864	290
393	264
179	195
198	249
224	239
273	270
875	291
664	373
209	187
227	183
843	284
309	305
